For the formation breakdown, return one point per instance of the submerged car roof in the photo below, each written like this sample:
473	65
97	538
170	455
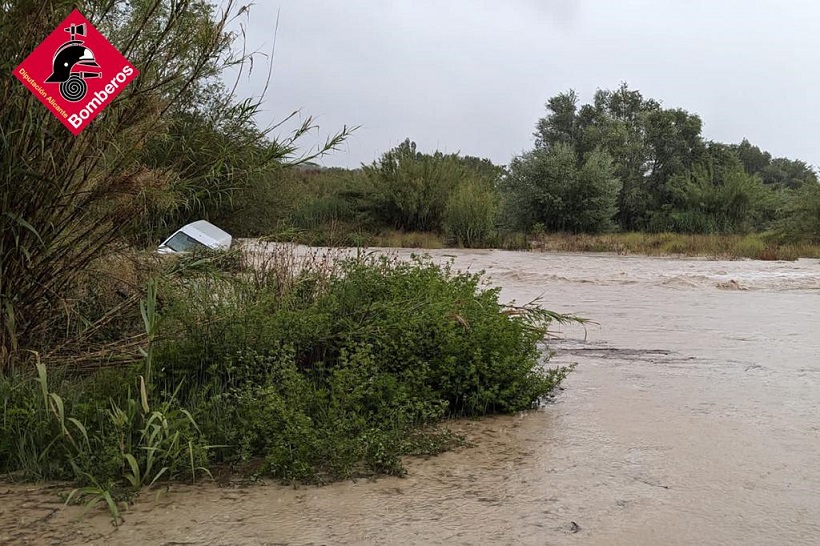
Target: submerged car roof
209	230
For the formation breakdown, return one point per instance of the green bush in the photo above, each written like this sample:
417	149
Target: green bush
279	363
411	189
801	223
708	199
297	198
320	211
103	429
469	219
551	187
751	246
295	367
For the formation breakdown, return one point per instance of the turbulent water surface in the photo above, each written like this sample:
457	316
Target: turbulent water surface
692	418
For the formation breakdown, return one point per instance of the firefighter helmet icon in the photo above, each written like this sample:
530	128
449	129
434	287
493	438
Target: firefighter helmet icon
70	55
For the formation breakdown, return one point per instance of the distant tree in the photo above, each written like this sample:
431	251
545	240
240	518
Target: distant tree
411	189
711	198
483	167
753	158
788	173
674	143
550	186
648	144
779	172
561	122
801	221
469	219
722	158
670	177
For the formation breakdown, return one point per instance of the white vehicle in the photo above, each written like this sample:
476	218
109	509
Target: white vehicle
196	234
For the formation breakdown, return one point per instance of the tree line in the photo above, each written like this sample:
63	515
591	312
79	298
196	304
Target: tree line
625	162
620	163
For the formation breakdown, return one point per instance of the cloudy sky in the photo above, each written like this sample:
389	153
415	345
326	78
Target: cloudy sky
472	76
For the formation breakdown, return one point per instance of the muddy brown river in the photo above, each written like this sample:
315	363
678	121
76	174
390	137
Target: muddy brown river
691	418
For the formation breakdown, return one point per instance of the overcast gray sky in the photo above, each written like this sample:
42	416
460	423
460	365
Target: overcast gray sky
473	75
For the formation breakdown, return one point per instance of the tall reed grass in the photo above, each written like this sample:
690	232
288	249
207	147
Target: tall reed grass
174	144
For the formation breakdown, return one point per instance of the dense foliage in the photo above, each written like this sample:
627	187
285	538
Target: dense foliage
175	144
621	163
552	188
405	189
298	367
671	178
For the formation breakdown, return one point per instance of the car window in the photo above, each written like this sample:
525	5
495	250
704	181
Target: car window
181	242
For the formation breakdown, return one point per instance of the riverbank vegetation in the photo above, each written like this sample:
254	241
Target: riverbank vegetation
121	369
714	246
622	164
272	364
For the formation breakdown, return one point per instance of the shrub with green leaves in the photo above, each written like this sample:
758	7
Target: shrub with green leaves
802	221
296	367
102	429
469	219
325	372
411	189
552	187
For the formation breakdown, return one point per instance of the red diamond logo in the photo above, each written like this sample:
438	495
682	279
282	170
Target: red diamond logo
76	72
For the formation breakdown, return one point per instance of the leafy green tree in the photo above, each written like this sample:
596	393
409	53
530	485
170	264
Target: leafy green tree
722	158
469	219
412	188
712	199
671	179
753	158
779	172
674	143
648	144
484	168
801	221
788	173
551	187
561	122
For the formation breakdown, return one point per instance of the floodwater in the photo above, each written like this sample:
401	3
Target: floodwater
691	418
